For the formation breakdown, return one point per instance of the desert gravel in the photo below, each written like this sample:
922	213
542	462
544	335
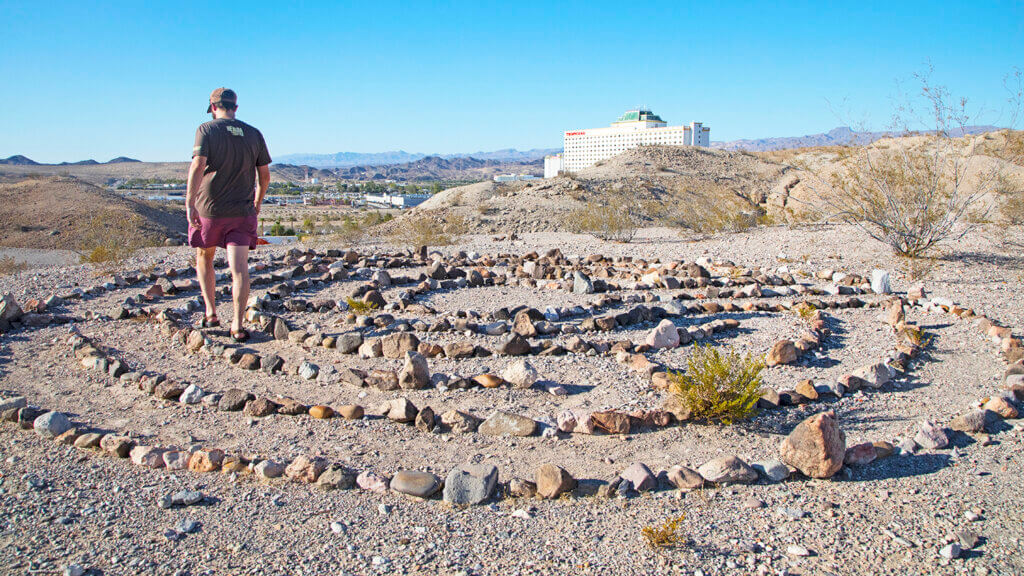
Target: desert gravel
60	506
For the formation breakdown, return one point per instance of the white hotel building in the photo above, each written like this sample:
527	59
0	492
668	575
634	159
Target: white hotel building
584	148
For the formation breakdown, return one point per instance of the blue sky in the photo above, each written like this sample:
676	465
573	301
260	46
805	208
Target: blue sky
98	80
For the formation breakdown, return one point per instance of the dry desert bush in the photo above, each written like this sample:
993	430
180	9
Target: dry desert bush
915	336
717	386
10	265
112	236
917	194
612	221
711	208
430	228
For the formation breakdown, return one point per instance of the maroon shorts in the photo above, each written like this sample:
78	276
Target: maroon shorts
223	232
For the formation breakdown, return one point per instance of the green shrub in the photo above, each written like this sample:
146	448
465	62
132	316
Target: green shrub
377	217
277	229
719	387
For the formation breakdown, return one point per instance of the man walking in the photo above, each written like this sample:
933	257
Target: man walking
228	160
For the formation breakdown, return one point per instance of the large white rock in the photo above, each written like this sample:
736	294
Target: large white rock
664	335
520	373
51	424
880	283
192	395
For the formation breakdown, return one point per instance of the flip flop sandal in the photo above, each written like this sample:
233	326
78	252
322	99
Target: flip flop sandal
240	335
210	322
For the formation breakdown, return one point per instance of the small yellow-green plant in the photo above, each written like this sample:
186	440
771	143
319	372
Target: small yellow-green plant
358	307
805	311
668	535
718	386
916	336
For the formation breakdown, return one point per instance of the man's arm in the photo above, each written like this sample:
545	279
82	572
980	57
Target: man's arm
195	179
263	174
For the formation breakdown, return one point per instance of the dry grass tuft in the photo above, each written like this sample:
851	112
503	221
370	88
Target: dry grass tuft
805	311
9	265
668	535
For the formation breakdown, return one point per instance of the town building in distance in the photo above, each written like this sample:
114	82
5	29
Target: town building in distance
584	148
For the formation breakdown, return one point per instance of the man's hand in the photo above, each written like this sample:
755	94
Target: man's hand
192	215
262	183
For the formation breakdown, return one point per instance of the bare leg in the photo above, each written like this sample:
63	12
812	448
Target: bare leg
238	261
207	280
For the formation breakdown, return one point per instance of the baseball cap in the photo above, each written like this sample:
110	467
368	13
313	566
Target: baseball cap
222	95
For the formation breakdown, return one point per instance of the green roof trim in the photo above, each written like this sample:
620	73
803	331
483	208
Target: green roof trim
639	116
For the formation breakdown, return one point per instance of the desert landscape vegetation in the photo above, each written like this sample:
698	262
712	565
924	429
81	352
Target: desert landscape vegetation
681	360
765	354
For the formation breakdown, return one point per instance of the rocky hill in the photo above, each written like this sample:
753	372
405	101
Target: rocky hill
841	136
19	160
55	212
655	181
697	188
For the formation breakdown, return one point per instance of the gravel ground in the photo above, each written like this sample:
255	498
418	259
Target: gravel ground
892	516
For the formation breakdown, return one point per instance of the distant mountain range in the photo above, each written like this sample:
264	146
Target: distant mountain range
19	160
836	137
350	159
842	136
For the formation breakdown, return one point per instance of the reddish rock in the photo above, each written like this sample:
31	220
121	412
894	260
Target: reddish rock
1001	407
488	380
305	469
783	352
260	407
612	422
321	412
816	447
351	412
553	481
115	445
206	460
860	454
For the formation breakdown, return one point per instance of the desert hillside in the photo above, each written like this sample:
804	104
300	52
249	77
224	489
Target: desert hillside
682	186
57	212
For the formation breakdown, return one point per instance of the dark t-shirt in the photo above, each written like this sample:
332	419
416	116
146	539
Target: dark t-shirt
233	150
